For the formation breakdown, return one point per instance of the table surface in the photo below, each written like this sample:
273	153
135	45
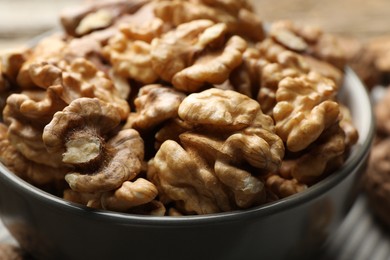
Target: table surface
360	237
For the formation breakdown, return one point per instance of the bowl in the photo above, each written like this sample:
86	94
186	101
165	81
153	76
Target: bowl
295	227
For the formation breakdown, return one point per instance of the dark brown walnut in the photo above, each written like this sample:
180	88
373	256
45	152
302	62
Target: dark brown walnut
233	142
310	40
237	15
35	173
322	157
79	133
304	109
376	180
346	123
195	53
129	195
85	18
154	105
246	78
282	187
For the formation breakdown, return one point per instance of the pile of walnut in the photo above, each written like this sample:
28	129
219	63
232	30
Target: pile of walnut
172	107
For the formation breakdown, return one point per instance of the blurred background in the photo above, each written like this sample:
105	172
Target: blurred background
23	19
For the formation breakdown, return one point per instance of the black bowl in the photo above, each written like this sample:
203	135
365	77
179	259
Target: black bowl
295	227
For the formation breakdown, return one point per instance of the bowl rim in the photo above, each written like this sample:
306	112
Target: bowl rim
355	159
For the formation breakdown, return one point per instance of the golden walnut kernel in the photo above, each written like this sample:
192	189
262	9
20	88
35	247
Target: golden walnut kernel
180	56
79	133
154	105
304	109
230	136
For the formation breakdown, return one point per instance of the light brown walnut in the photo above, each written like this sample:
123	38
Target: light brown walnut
154	105
131	58
231	139
382	113
33	172
80	78
304	109
195	53
26	115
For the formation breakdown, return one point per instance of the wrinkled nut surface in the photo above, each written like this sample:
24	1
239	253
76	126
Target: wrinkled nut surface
179	56
154	105
78	134
244	138
131	58
282	187
304	109
36	173
216	100
26	115
129	195
182	176
237	16
324	156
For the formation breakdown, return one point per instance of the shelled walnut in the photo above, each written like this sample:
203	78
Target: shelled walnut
175	107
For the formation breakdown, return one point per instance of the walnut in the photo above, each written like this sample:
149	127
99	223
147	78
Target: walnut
319	159
143	25
33	172
171	130
376	180
130	58
230	136
237	16
129	195
282	187
304	109
78	133
80	78
11	62
154	105
311	40
179	56
288	64
88	17
49	50
26	115
245	79
182	176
